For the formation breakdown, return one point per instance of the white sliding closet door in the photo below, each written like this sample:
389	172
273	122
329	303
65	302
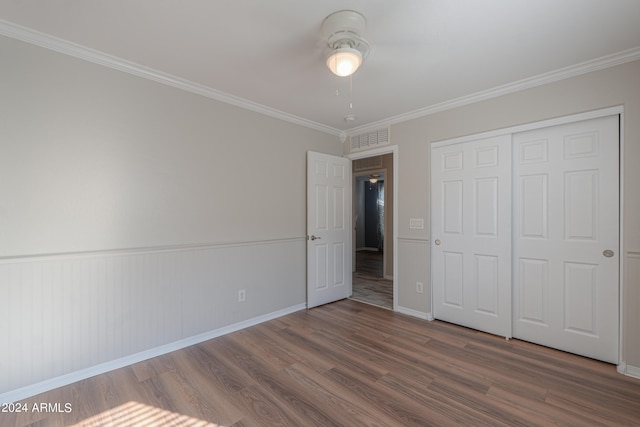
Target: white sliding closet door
566	237
471	234
560	261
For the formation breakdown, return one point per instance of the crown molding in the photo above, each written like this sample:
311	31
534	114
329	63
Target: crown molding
603	62
56	44
59	45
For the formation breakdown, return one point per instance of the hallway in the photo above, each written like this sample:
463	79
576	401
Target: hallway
369	286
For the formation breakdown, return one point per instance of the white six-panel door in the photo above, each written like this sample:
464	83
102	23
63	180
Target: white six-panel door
471	234
566	211
561	262
328	228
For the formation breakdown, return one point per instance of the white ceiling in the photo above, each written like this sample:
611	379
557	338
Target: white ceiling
426	53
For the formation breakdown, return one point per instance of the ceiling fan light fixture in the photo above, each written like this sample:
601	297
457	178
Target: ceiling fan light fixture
343	32
344	61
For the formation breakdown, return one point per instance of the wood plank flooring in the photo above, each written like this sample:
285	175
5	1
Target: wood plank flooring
350	364
369	263
369	285
373	290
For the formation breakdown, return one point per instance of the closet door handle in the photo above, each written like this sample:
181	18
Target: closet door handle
608	253
437	242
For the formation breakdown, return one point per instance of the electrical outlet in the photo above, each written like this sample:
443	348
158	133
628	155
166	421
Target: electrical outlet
242	295
419	287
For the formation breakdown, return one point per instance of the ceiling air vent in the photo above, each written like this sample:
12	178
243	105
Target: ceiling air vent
370	139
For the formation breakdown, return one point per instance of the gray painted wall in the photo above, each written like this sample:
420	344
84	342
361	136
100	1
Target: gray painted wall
131	213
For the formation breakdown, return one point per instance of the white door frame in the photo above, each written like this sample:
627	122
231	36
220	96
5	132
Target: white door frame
391	149
618	110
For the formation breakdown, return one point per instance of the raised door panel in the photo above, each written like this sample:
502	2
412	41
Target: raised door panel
339	273
531	304
321	258
580	304
581	205
534	213
452	207
486	284
486	207
453	275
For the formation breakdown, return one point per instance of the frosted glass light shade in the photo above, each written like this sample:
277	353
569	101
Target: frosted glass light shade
344	61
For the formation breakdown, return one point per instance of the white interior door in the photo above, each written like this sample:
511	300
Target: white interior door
329	258
566	216
471	234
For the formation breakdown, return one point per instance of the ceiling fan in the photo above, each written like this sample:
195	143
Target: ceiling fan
344	34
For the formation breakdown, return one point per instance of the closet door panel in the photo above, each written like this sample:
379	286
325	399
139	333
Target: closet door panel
471	234
566	219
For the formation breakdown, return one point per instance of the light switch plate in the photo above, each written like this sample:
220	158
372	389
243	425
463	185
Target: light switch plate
416	223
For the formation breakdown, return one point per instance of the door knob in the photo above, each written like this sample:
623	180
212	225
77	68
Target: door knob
314	237
608	253
437	242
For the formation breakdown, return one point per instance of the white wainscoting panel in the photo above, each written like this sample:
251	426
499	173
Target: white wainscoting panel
630	314
67	313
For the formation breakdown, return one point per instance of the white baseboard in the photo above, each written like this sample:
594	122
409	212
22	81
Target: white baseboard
630	371
414	313
53	383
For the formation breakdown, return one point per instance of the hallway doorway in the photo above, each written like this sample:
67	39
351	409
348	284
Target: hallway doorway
373	230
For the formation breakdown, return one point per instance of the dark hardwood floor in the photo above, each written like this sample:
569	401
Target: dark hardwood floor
369	263
350	364
369	285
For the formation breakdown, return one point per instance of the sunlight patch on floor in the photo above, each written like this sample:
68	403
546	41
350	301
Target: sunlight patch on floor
137	414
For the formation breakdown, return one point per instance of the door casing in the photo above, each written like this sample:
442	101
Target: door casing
390	149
